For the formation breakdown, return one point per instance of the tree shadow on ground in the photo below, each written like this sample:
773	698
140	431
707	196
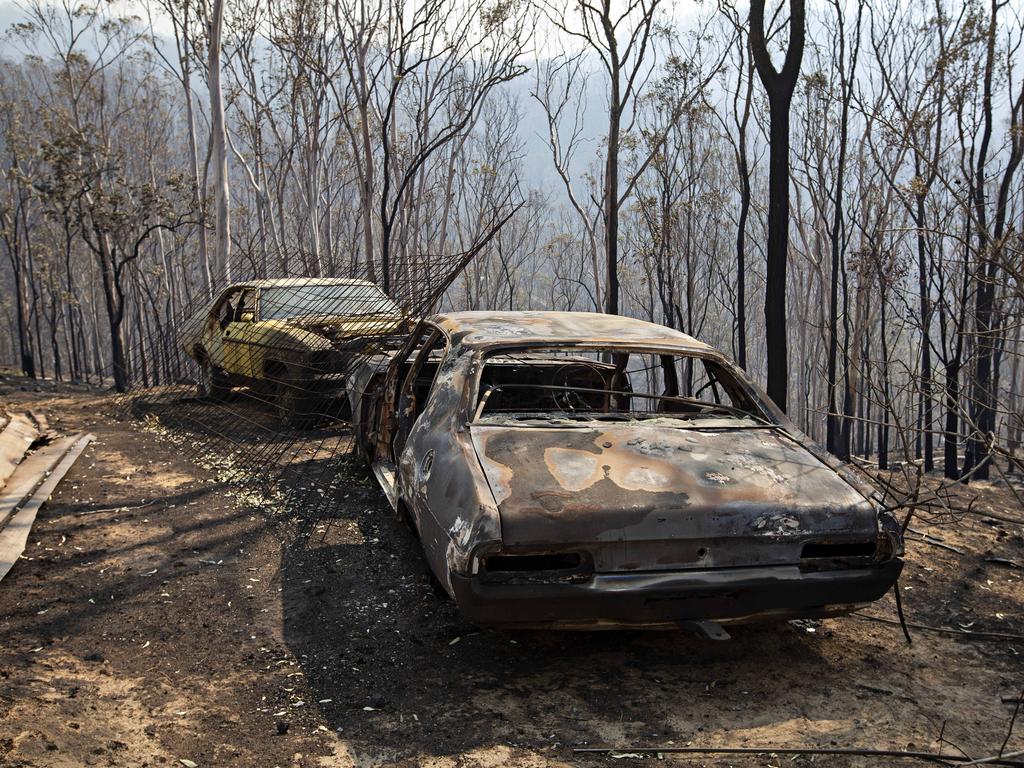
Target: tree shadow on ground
393	664
244	435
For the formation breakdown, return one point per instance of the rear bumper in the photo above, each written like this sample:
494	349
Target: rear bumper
653	599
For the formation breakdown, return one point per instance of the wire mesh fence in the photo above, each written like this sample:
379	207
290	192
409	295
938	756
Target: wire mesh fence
253	376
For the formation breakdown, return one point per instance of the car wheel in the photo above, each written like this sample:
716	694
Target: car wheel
263	390
435	584
405	514
213	383
296	407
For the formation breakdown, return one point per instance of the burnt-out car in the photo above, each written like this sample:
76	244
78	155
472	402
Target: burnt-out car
584	470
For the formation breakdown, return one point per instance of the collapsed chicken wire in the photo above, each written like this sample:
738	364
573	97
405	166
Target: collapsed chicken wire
252	378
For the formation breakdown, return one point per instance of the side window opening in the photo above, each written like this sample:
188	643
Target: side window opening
225	312
245	307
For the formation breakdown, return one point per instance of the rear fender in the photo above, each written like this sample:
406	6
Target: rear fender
442	483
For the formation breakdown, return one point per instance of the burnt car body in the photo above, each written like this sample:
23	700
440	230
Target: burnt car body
554	480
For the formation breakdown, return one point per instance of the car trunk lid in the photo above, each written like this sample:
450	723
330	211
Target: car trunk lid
643	497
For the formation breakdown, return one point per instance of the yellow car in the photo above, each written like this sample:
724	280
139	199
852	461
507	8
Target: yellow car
290	340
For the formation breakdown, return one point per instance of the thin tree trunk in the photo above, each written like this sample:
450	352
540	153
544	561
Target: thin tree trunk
218	131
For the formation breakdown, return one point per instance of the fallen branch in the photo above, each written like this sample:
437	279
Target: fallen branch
125	508
1003	561
1000	518
926	539
933	757
995	759
946	630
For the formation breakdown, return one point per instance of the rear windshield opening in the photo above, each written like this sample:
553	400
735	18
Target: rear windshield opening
610	384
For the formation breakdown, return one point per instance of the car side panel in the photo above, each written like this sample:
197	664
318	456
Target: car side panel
441	482
242	355
213	342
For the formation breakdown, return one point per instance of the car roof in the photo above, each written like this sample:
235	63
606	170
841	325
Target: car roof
502	329
290	282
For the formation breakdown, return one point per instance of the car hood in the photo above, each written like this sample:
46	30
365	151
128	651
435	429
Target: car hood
344	326
635	483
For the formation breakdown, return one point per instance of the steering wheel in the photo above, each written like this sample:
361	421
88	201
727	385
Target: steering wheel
571	375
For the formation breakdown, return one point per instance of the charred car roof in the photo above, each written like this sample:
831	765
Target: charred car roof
503	329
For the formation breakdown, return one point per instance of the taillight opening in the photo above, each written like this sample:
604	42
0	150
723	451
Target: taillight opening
820	550
830	556
537	567
558	561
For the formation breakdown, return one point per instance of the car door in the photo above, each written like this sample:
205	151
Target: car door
216	323
242	352
420	429
388	420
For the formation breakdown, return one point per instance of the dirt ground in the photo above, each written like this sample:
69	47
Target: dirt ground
160	617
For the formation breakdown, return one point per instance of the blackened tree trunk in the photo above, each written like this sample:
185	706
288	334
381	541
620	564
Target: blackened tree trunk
218	135
741	251
886	401
779	85
846	426
981	408
113	295
951	437
28	364
611	200
11	236
837	232
990	248
743	168
926	399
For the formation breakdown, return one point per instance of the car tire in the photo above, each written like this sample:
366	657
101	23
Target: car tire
407	518
296	406
213	384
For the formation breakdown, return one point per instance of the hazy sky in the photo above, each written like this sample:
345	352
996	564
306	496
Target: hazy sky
538	171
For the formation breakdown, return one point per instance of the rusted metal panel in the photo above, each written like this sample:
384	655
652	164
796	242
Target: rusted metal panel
25	496
500	329
18	434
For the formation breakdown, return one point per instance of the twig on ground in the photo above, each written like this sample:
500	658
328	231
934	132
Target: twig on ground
1013	720
927	539
899	611
997	759
126	508
946	630
933	757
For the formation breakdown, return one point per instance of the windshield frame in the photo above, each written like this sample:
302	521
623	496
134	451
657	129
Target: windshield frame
765	415
393	309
